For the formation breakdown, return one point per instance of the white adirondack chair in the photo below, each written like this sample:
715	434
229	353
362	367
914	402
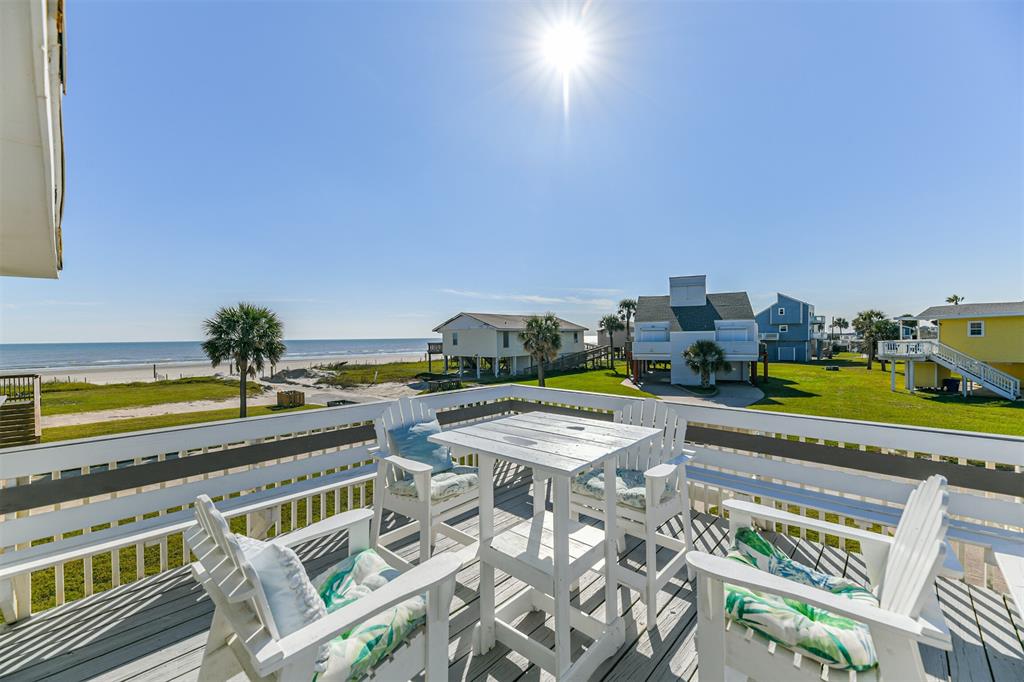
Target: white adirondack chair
245	639
901	571
663	465
430	515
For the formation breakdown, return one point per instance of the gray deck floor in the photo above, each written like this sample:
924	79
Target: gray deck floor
155	629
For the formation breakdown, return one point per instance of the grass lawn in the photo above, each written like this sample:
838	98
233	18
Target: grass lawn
157	422
352	374
65	398
855	393
594	380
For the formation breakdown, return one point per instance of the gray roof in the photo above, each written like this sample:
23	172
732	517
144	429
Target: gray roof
511	322
726	306
940	312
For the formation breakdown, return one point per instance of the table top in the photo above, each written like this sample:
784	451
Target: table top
554	443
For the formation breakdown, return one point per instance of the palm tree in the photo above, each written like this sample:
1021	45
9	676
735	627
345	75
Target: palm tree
248	335
873	326
839	323
627	309
704	357
542	339
611	324
955	299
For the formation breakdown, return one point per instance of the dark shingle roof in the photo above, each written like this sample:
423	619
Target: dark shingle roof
727	306
939	312
511	322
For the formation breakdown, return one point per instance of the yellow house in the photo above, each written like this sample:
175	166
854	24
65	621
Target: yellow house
982	342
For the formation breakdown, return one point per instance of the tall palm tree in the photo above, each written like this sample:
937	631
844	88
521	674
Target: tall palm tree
248	335
955	299
611	324
627	309
542	339
704	357
867	324
840	323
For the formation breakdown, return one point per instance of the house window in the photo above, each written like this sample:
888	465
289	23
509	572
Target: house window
455	338
782	312
504	339
575	337
783	327
976	328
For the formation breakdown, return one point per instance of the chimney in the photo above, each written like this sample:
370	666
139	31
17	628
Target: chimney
688	291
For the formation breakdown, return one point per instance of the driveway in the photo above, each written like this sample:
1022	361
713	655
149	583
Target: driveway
729	394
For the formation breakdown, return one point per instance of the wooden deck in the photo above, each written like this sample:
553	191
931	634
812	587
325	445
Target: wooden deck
155	629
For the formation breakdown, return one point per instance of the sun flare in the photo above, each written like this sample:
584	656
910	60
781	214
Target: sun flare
565	46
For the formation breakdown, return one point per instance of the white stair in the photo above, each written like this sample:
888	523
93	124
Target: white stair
993	379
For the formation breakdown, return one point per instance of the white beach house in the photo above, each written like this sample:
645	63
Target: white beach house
667	325
486	343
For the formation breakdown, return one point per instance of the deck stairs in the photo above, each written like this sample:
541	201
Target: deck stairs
995	380
597	356
17	424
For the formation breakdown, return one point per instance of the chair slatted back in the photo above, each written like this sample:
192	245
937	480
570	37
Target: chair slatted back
917	551
402	412
653	414
232	576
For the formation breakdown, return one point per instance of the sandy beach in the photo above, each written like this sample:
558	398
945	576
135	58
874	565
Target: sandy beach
128	373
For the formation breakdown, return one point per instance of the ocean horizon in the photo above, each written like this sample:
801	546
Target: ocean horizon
59	356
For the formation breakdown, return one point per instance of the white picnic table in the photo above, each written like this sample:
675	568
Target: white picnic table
549	551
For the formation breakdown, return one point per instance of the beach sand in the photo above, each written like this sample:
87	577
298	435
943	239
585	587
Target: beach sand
128	373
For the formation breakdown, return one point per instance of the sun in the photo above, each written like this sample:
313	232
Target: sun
565	46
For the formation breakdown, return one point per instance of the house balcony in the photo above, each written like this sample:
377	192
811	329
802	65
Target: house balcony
652	350
118	602
818	319
768	336
739	351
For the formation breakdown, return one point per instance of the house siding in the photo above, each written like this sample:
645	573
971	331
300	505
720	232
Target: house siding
794	344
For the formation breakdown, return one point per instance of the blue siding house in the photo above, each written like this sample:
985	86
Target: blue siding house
789	328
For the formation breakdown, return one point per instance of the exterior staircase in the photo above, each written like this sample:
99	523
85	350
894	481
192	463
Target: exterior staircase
593	357
19	410
995	380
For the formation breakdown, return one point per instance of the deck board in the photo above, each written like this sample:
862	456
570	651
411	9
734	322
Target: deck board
154	630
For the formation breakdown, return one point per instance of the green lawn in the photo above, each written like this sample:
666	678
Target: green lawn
855	393
65	398
353	374
594	380
157	422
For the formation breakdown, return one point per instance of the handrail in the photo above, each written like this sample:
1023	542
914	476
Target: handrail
983	372
24	388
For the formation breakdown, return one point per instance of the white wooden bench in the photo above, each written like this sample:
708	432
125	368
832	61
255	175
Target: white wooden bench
256	491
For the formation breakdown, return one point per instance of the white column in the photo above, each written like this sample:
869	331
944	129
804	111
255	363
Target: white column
892	376
478	367
495	366
910	375
514	369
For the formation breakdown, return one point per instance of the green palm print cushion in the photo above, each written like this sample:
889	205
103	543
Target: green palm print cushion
769	559
834	640
354	653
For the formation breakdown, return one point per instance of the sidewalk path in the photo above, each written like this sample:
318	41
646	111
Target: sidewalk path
729	394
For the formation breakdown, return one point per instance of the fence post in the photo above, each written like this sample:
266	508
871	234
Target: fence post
37	407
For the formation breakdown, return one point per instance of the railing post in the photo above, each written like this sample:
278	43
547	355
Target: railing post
37	405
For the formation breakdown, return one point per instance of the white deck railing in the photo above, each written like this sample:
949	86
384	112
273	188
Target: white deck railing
329	479
975	369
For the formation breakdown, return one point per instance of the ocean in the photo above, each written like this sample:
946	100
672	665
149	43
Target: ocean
53	356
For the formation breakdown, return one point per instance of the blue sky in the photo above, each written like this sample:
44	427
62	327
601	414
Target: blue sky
370	169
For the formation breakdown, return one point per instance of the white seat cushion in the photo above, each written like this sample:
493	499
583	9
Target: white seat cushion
456	481
630	487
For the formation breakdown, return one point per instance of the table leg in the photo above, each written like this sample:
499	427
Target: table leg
486	638
539	483
560	485
611	559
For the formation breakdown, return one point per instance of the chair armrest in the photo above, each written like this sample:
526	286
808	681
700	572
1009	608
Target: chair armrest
328	526
660	472
416	581
741	510
737	573
407	465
